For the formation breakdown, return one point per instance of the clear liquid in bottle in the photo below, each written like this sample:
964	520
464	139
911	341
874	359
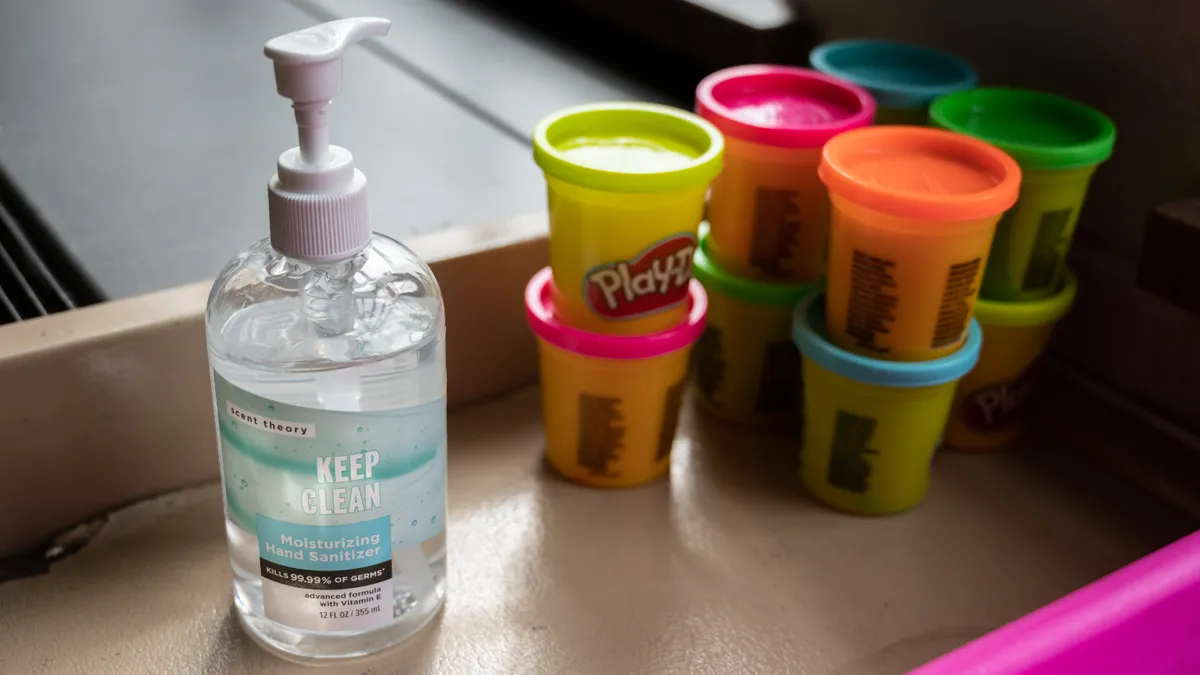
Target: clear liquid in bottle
330	392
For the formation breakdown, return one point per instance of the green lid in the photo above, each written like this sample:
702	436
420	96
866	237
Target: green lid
716	280
1040	131
628	147
1019	314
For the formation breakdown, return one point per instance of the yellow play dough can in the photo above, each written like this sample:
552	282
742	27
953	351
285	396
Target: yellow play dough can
1059	143
625	188
610	404
992	401
871	426
745	366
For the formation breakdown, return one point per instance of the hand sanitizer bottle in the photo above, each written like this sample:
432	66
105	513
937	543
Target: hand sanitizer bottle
329	382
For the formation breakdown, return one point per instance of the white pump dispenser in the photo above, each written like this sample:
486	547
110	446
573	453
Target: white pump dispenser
327	347
317	199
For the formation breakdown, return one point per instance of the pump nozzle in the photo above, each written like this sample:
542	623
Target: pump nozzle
308	70
317	198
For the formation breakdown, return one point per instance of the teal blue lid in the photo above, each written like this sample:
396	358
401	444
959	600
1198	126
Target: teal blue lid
808	332
898	75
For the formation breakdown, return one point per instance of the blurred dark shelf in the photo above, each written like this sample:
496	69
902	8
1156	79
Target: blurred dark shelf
671	44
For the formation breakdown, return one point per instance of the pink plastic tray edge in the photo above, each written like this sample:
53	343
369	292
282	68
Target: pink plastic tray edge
1144	619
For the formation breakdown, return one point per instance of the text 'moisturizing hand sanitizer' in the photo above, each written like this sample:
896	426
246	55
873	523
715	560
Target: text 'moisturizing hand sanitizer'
329	381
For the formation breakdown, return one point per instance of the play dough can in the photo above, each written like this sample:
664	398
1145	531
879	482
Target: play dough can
746	367
768	211
610	404
1058	143
902	78
871	426
626	185
914	211
991	404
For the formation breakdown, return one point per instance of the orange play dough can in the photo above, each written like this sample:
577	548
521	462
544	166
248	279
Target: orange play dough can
610	403
914	213
768	212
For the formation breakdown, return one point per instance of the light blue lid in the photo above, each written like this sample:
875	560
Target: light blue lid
898	75
808	331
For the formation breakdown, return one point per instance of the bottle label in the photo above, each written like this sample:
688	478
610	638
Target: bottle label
339	501
954	312
851	459
873	301
777	228
1049	250
653	281
1000	406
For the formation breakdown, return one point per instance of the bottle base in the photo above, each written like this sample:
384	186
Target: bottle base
315	648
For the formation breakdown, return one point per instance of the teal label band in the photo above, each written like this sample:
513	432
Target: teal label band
333	497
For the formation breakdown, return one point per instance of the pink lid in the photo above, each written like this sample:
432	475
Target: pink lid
782	105
539	312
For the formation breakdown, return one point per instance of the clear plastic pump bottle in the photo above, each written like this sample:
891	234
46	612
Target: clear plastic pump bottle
329	383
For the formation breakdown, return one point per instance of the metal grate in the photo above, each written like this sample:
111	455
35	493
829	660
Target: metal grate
36	276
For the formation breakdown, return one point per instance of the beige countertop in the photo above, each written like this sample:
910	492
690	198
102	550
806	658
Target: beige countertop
724	567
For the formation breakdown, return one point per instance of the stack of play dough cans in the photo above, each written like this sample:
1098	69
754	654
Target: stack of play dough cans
836	280
913	214
768	224
1027	287
617	312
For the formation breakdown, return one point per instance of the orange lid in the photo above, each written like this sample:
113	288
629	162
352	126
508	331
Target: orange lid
918	172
